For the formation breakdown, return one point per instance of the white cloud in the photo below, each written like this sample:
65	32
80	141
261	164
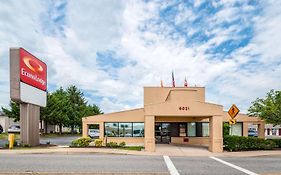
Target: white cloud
154	49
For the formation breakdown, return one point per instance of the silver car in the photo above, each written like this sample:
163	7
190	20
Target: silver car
94	133
14	128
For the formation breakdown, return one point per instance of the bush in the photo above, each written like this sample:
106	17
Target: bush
226	129
15	144
98	142
277	142
25	145
112	145
122	144
81	142
239	143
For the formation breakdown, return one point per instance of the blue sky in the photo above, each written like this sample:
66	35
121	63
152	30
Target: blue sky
111	49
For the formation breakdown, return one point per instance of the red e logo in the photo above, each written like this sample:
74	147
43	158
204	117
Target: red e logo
33	65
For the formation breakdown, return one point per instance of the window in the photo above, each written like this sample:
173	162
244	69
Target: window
191	129
236	129
138	129
182	128
205	129
125	129
111	129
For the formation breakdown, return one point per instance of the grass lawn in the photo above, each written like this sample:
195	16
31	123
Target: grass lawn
133	148
4	136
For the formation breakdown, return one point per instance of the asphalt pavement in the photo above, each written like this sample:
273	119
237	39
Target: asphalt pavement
59	140
132	164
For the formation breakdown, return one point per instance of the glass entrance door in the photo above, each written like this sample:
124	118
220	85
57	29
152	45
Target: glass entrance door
163	133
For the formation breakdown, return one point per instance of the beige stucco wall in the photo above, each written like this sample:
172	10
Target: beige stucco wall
128	140
202	141
163	105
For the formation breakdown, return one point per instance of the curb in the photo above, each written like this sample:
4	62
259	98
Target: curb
84	173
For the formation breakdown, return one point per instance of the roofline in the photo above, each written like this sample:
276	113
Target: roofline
174	87
118	112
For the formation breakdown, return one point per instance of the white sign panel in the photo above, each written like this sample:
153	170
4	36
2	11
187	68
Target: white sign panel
29	94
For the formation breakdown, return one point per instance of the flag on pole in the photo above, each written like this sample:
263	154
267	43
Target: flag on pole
161	83
185	83
173	80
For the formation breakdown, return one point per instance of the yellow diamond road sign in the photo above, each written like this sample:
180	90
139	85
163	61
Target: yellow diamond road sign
233	111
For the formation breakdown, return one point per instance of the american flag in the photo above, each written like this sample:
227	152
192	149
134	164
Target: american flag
185	82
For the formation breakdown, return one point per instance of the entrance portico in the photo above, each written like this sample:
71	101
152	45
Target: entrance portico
181	105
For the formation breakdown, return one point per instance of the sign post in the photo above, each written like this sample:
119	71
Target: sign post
28	86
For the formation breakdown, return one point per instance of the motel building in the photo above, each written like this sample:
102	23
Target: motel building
171	115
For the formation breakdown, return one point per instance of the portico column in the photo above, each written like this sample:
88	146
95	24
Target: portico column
245	129
85	129
216	140
149	133
261	131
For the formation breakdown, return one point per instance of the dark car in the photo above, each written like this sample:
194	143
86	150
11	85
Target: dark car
1	129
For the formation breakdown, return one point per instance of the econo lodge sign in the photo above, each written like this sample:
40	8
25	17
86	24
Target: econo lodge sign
28	78
32	70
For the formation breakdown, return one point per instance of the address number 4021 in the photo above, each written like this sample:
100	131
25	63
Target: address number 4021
183	108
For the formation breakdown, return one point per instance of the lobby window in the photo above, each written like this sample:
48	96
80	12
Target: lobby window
236	129
205	129
138	129
111	129
125	129
191	129
198	129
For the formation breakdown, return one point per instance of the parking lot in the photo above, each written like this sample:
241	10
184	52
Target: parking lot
58	140
131	164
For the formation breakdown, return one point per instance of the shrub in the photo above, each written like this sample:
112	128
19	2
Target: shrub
81	142
25	145
112	145
277	142
15	144
226	129
239	143
122	144
98	142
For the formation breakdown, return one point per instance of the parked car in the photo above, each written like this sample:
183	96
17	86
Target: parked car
94	133
14	128
1	129
252	133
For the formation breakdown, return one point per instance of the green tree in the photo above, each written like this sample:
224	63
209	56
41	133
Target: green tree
55	113
77	107
92	110
64	108
58	108
268	109
13	112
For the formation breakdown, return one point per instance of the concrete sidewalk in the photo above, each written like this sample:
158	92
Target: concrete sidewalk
170	150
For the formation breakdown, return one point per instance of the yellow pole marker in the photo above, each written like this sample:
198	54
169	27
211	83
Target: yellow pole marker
11	140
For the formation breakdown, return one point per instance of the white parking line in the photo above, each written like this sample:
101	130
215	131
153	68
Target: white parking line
170	165
234	166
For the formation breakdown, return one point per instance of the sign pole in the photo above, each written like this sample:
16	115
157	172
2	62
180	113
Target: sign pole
29	121
28	86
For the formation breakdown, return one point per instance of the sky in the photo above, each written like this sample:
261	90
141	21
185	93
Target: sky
111	49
